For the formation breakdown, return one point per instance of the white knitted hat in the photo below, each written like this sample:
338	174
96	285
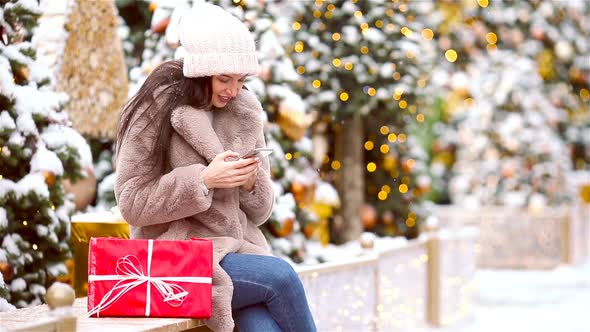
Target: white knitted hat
216	42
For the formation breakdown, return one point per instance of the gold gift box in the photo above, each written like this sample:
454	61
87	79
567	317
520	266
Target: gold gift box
85	226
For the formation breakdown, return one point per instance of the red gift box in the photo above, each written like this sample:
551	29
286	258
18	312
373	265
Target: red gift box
150	278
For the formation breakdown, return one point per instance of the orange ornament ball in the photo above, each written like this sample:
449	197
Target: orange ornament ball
282	229
368	216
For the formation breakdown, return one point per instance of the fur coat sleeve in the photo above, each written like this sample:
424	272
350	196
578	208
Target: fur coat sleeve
146	197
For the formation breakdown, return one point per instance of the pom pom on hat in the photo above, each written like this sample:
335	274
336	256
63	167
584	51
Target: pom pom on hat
216	42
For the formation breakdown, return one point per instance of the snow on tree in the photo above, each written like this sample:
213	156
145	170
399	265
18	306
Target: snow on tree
38	149
363	64
509	148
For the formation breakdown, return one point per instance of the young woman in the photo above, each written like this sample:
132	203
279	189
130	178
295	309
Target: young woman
178	175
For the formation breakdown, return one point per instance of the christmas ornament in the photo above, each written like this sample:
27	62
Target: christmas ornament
387	218
49	178
585	193
152	7
282	229
24	73
368	216
293	122
161	26
309	229
6	271
84	190
298	191
60	295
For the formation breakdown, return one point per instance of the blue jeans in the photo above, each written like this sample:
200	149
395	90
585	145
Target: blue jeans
268	295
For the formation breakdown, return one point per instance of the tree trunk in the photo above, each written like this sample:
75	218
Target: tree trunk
352	182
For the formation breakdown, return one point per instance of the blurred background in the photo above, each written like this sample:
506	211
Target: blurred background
436	153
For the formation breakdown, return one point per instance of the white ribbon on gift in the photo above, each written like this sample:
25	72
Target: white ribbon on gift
131	276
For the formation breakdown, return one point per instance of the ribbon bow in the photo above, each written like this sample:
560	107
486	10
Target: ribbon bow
130	275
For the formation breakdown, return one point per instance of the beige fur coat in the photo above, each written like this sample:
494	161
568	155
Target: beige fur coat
173	206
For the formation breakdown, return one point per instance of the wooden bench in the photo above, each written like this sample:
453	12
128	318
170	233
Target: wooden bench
40	318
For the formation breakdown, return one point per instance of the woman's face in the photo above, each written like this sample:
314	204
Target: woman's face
225	88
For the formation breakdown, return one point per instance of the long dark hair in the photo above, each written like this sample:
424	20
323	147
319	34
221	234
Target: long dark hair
165	89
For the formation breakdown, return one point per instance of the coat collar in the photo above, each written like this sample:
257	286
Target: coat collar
235	127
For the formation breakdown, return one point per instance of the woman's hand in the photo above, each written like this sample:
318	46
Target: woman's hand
251	182
229	174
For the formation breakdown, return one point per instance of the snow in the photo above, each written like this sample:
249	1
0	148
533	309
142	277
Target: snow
18	285
534	300
57	269
6	121
3	218
45	160
37	289
56	136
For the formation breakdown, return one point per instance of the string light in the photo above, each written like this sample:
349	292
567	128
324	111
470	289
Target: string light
403	188
335	165
451	55
406	31
483	3
299	47
371	167
369	145
491	38
427	34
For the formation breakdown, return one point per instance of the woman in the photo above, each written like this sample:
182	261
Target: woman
178	177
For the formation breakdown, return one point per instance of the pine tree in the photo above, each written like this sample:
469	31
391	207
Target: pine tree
509	148
38	150
364	63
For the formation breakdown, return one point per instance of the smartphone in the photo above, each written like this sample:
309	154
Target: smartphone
260	153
